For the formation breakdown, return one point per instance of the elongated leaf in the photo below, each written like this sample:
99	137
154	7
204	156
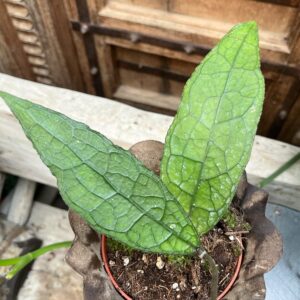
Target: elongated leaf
209	142
105	184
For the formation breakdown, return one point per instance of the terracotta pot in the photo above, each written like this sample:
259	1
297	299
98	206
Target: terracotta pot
263	246
126	297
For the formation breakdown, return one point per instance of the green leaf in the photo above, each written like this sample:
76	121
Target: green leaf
209	142
105	184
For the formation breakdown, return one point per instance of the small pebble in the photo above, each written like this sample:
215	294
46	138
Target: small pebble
140	271
175	286
159	263
231	237
112	263
145	259
125	260
193	287
178	297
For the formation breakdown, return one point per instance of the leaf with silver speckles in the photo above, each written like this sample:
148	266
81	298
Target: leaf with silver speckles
209	142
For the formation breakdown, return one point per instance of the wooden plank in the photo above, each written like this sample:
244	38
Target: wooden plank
239	11
200	28
147	97
13	59
291	129
51	26
123	124
277	105
107	67
21	201
72	14
64	37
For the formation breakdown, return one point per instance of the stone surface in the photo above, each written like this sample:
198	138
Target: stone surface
51	278
283	281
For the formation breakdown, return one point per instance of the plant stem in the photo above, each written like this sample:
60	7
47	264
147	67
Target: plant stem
20	262
282	169
9	261
214	273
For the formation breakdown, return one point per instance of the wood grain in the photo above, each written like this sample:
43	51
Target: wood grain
13	58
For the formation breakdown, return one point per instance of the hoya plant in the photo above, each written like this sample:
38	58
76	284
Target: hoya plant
206	150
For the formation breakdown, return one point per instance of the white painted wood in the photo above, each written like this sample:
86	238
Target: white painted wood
121	123
21	201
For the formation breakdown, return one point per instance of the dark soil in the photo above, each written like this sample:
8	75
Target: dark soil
180	277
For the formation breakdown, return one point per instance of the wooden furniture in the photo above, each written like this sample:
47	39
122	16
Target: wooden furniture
142	51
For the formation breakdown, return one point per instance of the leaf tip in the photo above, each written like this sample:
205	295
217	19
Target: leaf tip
7	98
248	31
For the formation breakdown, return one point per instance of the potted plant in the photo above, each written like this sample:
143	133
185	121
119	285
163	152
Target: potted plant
206	150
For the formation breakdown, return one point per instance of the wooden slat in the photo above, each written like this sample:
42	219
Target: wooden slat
61	26
5	203
147	97
21	201
123	124
72	14
183	20
13	58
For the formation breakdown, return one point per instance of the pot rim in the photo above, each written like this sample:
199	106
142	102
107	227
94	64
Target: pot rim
126	297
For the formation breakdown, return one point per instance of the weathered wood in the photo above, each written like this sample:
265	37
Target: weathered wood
50	21
146	97
6	202
13	58
62	32
291	129
107	66
73	14
21	201
198	20
123	124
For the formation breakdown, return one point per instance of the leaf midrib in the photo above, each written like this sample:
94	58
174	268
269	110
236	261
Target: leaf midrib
212	128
